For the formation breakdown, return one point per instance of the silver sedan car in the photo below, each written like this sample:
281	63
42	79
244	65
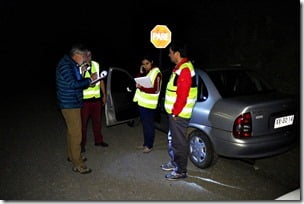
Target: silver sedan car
237	114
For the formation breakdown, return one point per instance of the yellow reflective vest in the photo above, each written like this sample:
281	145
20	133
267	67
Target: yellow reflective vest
92	92
148	100
171	95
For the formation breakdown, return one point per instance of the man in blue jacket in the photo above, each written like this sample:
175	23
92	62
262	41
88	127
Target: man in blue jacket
70	85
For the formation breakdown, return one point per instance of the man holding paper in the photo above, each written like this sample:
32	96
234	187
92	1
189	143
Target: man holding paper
69	86
147	100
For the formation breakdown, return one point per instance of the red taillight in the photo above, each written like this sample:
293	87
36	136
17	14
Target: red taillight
242	126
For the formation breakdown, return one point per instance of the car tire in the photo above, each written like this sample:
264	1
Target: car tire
131	123
201	152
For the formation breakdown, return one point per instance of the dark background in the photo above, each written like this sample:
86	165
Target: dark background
262	35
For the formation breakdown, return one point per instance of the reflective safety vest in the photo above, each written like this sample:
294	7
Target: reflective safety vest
92	92
171	92
148	100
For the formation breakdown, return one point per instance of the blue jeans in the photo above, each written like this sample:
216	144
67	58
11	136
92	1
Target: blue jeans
147	120
170	150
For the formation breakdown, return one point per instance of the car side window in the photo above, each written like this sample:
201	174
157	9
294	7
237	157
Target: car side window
201	90
122	83
231	83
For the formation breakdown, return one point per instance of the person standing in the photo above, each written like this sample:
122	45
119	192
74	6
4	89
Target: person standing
69	86
147	100
181	94
93	96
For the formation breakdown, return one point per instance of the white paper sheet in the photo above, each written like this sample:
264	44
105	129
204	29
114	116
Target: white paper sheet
144	81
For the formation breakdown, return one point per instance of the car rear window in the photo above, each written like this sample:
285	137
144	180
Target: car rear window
232	83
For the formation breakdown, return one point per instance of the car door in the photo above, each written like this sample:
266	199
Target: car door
120	107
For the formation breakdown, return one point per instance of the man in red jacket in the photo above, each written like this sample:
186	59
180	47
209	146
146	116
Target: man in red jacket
181	94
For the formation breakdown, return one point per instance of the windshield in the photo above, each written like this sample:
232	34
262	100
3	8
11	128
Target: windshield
231	83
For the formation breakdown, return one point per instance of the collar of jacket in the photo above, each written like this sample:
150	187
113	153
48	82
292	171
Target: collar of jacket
180	63
69	58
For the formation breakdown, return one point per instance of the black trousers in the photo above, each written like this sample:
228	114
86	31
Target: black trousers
147	119
178	130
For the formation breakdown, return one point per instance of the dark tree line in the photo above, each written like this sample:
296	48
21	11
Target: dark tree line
255	34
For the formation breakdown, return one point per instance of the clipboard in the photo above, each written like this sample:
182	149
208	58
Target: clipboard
96	80
102	75
144	81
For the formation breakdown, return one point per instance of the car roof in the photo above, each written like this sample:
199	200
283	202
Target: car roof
208	69
226	69
211	69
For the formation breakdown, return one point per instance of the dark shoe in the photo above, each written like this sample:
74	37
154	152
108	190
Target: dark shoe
82	157
174	176
82	170
83	149
167	167
103	144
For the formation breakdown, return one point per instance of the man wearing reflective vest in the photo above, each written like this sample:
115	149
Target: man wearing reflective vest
92	98
181	94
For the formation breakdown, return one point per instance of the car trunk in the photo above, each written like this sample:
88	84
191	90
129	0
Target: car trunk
270	109
265	109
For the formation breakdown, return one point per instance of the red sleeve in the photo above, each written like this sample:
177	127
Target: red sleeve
184	83
156	87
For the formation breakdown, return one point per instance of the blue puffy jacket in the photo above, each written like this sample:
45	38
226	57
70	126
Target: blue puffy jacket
70	84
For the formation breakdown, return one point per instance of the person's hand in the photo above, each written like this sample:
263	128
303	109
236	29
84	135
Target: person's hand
84	67
94	76
174	117
104	99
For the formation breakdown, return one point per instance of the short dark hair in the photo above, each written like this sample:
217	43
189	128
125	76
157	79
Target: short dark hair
180	47
78	48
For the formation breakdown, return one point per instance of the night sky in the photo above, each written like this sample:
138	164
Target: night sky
257	34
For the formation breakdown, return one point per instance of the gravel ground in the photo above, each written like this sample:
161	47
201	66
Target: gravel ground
34	166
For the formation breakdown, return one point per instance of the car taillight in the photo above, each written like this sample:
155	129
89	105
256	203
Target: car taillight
242	126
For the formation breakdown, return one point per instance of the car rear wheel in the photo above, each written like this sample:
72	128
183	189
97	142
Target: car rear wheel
131	123
200	149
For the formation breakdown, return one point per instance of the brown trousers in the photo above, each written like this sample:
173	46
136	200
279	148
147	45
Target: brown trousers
73	121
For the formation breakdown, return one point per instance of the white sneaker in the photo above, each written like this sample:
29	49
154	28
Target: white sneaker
147	150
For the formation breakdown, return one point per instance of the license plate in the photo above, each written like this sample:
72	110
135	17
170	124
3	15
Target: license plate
283	121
